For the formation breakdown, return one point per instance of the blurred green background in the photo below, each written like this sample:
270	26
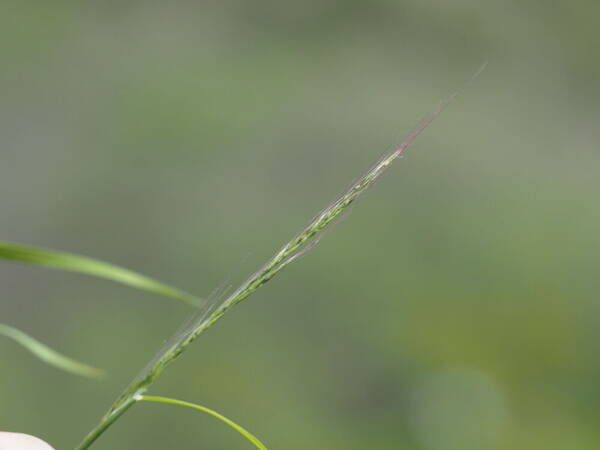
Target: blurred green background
456	308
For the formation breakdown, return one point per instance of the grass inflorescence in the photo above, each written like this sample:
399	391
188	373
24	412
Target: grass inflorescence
291	251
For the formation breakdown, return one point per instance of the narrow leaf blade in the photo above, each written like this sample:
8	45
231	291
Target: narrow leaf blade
48	355
222	418
89	266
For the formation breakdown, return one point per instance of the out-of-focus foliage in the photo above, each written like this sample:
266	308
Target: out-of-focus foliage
456	308
89	266
47	355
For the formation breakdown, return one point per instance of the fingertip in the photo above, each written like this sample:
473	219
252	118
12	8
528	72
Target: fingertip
20	441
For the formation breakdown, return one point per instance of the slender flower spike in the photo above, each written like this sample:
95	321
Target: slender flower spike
211	313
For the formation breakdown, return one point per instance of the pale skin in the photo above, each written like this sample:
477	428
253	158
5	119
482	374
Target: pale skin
19	441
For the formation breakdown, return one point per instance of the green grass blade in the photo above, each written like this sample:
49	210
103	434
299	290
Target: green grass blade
222	418
89	266
48	355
